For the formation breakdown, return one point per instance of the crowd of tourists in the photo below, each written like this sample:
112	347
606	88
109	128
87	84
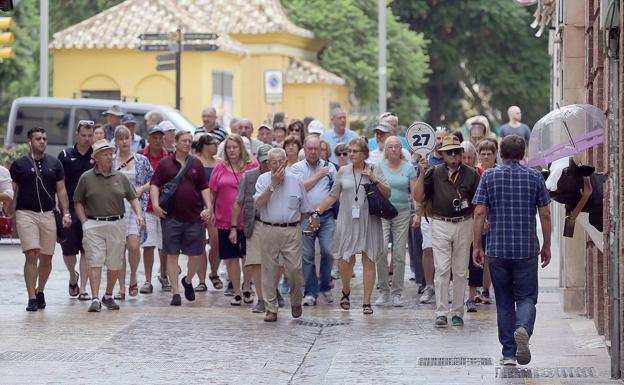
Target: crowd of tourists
285	208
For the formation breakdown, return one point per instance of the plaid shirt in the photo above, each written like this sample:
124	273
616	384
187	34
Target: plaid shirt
512	193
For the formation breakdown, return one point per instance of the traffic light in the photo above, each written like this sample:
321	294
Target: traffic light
6	37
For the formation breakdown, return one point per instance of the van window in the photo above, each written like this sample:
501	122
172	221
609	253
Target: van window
55	120
95	114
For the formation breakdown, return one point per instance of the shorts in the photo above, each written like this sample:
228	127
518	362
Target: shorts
104	243
425	229
153	229
254	247
72	245
183	238
229	250
36	230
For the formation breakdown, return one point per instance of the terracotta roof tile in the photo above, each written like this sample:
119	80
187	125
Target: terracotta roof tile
304	72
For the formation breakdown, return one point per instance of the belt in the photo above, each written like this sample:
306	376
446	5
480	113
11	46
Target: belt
291	224
453	219
107	219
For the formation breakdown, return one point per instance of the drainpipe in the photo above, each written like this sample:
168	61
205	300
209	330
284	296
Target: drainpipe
614	190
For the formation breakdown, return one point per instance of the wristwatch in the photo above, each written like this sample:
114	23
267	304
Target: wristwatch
68	215
271	188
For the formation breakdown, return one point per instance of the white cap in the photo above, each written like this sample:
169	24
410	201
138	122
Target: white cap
315	127
166	125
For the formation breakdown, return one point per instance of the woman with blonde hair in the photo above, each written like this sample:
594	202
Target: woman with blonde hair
138	170
357	231
224	182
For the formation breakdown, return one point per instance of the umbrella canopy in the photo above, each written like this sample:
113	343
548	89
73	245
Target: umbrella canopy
564	132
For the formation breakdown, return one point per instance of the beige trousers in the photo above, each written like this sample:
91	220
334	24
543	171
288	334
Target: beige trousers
280	244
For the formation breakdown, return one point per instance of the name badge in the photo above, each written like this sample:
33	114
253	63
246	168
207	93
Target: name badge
464	204
355	212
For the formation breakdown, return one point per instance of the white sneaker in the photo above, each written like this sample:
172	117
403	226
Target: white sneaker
397	301
508	361
383	300
327	296
308	300
427	295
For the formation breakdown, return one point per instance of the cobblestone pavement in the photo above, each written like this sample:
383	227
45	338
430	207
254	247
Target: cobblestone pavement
209	341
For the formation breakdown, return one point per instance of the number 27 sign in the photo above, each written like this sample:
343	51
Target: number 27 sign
421	138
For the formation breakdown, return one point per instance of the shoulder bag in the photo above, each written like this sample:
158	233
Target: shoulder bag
58	216
165	200
379	205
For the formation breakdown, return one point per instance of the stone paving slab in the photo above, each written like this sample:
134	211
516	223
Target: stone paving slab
211	342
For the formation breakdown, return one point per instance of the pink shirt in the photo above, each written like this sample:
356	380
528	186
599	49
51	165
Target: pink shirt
224	185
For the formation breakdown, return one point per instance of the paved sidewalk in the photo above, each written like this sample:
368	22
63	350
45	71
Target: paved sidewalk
209	341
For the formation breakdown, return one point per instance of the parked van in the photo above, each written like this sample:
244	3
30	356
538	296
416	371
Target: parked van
59	117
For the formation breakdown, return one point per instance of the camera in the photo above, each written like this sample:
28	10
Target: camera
456	205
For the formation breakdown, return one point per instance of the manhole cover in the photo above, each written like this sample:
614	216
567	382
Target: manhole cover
47	356
320	323
578	372
454	361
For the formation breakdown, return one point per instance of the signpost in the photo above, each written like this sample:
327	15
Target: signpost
172	43
421	138
273	87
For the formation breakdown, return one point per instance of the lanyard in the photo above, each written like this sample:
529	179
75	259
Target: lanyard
357	184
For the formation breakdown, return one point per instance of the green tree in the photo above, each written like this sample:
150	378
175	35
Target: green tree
483	56
349	29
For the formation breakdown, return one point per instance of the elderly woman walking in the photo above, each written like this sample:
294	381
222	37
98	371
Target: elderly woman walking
401	177
357	231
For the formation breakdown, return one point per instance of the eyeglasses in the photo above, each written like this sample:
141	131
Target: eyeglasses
453	152
89	123
354	151
342	154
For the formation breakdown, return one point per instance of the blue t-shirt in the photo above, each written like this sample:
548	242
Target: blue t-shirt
522	130
399	182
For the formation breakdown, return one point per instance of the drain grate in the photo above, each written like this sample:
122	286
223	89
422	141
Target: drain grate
47	356
320	323
578	372
454	361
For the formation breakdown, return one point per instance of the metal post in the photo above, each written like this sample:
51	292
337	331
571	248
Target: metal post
43	48
178	63
382	56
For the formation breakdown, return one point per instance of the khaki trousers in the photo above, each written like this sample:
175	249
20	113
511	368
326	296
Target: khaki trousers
451	249
280	244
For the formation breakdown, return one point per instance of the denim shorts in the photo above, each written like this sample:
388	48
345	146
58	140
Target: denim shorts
183	238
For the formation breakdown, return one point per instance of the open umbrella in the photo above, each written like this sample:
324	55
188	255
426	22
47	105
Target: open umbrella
564	132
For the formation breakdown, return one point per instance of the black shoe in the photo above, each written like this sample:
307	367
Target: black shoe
32	305
110	303
41	303
421	288
176	300
189	292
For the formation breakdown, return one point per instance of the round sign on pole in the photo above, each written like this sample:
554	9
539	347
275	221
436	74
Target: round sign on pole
421	138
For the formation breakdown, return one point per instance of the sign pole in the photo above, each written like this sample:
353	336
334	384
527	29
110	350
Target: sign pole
178	65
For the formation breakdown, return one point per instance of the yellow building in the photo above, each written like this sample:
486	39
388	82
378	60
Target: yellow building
99	57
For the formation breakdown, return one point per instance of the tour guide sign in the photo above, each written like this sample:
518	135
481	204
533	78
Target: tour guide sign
421	138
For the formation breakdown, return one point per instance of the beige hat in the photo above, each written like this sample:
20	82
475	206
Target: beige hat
114	110
101	145
450	142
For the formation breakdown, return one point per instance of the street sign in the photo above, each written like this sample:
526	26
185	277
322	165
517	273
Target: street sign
273	86
421	138
200	47
157	36
199	36
154	47
166	57
166	67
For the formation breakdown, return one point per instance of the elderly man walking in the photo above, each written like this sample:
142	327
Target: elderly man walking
281	199
509	197
99	203
210	125
318	177
37	177
339	133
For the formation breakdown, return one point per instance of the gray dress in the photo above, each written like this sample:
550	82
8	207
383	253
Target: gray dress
354	236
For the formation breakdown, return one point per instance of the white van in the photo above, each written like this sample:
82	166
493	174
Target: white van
59	117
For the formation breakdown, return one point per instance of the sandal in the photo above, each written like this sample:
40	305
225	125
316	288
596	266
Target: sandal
120	296
367	309
236	301
201	287
248	297
133	290
84	297
74	290
216	282
345	303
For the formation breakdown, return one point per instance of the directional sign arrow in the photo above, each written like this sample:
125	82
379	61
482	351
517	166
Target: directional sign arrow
199	36
166	67
154	47
200	47
166	57
156	36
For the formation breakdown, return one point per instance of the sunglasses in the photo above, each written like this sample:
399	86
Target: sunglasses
453	152
342	154
89	123
294	129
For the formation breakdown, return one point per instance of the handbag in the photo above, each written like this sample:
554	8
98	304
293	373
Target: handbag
379	205
58	216
165	200
6	224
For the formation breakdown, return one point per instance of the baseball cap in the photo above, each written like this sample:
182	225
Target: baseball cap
128	119
383	127
315	127
166	125
262	153
114	110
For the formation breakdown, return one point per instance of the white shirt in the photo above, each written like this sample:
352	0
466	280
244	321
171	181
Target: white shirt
375	156
286	203
303	170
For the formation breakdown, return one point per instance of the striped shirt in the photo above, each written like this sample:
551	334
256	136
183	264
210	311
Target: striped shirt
218	132
512	193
